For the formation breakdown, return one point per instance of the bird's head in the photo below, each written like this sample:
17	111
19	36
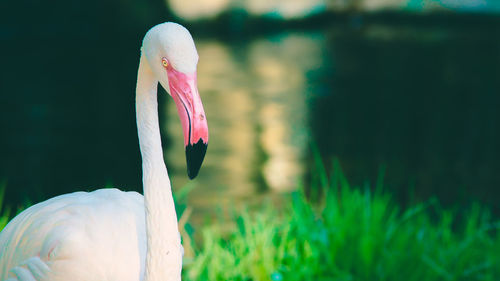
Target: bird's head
172	56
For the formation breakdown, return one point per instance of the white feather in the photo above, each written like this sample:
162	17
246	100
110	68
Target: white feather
85	236
110	235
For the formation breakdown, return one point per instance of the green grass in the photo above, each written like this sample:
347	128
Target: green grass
338	232
348	234
4	216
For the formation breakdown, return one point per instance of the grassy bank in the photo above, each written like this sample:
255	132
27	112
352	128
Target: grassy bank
4	215
338	232
348	234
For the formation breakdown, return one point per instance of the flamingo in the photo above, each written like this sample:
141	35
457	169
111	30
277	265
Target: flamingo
108	234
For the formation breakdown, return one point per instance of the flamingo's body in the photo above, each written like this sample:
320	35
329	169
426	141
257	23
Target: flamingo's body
110	235
72	234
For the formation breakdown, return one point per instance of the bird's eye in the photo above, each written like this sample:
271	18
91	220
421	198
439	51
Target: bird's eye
164	62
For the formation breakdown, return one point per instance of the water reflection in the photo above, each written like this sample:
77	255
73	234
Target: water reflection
278	8
423	101
199	8
255	101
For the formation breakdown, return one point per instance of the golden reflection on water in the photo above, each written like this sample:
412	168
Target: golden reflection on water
199	8
255	101
196	9
285	8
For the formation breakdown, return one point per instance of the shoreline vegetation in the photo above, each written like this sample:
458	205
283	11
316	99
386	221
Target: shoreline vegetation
332	231
339	232
238	23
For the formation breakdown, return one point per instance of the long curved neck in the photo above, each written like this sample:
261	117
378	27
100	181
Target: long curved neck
164	254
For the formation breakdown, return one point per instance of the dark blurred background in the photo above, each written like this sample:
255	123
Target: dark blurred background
407	87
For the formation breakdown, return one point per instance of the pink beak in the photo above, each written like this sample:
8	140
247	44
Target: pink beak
194	122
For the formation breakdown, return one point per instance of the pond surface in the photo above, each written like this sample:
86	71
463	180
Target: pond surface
421	102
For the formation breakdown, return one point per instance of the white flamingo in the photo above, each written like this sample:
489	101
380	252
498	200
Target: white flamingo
108	234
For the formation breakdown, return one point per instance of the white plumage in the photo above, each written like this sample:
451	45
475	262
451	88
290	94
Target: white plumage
110	235
69	235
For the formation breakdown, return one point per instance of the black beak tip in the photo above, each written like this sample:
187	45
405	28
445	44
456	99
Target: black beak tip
194	157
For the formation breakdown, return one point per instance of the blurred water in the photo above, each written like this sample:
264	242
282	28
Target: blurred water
255	100
420	101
